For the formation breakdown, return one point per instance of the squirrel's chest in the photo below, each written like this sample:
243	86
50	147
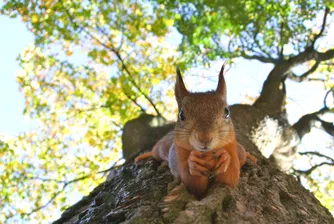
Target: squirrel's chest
172	162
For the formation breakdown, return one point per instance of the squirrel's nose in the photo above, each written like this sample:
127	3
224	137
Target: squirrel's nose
205	139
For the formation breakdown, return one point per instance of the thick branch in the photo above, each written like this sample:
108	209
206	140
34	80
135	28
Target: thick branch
324	56
272	95
303	77
327	126
306	122
307	56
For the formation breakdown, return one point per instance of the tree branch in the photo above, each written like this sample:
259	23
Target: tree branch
233	53
65	184
47	203
324	56
317	154
272	95
307	56
124	67
134	101
104	106
306	122
327	126
326	95
323	26
309	171
280	50
259	58
316	79
303	77
259	46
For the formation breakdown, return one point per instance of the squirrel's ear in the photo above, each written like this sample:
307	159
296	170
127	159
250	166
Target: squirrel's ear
221	88
180	89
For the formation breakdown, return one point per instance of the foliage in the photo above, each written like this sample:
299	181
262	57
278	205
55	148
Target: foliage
96	64
90	69
268	31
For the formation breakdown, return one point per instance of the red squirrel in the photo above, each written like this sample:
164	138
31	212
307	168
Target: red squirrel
203	142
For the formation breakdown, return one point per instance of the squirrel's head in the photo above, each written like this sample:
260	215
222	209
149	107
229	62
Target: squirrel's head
203	120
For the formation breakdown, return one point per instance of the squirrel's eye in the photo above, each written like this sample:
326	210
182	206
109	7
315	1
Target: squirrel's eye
227	113
181	115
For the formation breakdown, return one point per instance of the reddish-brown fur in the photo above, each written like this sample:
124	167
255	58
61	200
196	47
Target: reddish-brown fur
202	128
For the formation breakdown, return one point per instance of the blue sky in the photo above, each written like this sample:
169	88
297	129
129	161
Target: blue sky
14	37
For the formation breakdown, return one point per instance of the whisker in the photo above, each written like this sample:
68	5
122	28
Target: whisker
182	129
226	132
182	133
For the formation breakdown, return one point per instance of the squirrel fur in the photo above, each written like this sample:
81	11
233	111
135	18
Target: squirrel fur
203	143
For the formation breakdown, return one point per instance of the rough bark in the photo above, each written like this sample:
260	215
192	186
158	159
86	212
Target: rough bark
140	195
147	193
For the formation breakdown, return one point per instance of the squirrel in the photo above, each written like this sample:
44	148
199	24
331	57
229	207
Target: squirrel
203	143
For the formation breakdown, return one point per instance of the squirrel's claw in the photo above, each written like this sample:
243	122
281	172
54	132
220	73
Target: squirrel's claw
198	166
222	163
201	159
196	169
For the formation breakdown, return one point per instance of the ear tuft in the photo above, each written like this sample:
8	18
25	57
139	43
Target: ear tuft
180	89
178	72
221	87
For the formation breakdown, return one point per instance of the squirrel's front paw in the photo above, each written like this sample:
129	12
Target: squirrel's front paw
224	159
199	165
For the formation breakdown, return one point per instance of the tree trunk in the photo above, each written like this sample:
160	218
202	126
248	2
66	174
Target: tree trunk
147	193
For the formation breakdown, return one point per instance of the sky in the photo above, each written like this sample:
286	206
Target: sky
13	39
243	78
